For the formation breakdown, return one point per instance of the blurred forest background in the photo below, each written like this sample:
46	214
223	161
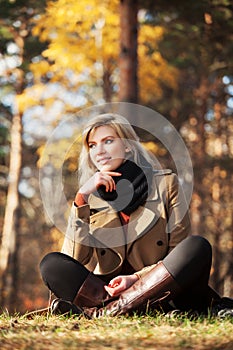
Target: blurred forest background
58	57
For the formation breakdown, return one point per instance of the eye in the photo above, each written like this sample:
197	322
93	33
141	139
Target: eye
91	145
108	141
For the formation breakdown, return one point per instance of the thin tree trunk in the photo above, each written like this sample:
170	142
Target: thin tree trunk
8	243
128	61
107	86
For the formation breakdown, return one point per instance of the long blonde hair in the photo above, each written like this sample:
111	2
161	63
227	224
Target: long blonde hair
125	132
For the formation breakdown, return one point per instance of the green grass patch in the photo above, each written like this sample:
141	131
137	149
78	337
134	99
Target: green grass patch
137	332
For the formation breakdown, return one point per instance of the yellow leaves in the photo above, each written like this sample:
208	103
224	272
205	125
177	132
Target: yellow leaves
75	16
76	35
39	69
57	153
32	97
154	148
154	71
25	100
84	38
73	27
150	33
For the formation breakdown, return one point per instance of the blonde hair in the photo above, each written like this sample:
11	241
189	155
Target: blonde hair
125	132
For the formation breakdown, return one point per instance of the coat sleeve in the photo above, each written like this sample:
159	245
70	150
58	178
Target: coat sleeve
178	221
77	242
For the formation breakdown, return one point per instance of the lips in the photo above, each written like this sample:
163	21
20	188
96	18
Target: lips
103	160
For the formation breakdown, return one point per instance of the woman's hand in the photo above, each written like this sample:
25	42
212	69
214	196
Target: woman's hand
99	178
120	283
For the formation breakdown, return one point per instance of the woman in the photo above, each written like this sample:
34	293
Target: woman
128	245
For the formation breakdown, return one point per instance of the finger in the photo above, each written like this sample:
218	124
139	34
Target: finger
112	184
115	281
113	291
109	290
109	183
112	173
103	181
113	285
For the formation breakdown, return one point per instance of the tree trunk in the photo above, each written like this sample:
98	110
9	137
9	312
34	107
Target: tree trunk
8	243
128	61
107	86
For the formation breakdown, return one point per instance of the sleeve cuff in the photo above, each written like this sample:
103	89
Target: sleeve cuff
80	200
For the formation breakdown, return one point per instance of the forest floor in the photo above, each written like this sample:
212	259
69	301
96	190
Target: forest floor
136	332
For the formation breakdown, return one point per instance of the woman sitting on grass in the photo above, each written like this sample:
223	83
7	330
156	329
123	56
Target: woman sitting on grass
128	246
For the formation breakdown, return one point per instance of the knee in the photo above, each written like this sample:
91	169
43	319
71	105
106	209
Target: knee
200	245
48	263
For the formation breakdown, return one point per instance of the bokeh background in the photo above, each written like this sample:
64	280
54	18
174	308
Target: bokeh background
60	57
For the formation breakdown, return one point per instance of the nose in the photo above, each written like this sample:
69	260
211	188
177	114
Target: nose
100	148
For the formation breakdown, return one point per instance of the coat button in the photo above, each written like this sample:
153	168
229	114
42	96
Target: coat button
159	243
102	252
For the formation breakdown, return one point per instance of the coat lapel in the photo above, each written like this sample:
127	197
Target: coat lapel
145	217
106	225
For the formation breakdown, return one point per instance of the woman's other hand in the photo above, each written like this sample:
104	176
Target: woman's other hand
120	283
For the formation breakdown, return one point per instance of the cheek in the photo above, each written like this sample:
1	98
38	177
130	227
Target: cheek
119	156
119	150
122	152
92	158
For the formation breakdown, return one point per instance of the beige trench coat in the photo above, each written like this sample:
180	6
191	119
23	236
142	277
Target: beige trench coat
96	238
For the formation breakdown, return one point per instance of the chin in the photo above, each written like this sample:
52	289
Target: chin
106	168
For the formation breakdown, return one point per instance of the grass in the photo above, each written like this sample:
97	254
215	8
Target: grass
136	332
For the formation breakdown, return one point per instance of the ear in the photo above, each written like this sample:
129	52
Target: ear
127	150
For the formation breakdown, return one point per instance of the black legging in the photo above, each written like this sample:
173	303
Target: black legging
62	274
189	263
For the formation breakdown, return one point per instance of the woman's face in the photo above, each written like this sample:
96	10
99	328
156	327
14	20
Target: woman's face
106	149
